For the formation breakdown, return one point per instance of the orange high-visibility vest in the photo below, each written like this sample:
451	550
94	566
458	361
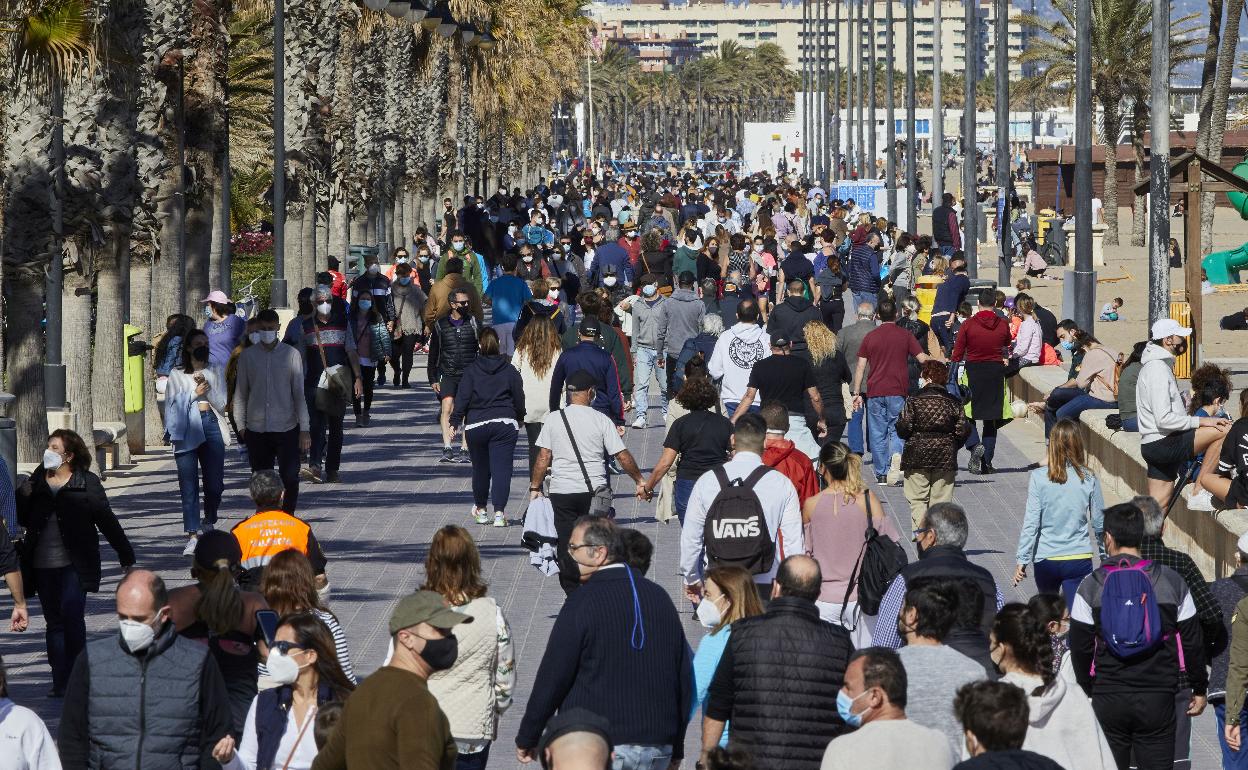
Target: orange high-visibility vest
267	533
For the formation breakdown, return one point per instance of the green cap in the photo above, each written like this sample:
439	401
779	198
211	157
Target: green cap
425	607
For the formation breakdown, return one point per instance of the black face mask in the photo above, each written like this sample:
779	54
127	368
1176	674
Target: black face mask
441	654
200	354
1180	349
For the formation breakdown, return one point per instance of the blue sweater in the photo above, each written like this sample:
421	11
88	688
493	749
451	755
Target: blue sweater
591	662
1060	513
508	295
598	362
705	661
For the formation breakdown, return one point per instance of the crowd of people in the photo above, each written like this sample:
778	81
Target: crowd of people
799	354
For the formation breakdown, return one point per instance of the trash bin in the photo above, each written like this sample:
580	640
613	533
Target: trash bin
132	369
1044	217
925	292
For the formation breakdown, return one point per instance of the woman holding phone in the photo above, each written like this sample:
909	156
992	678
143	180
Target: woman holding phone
278	732
289	586
195	421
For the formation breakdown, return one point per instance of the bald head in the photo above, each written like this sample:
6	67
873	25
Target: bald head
141	596
799	577
579	751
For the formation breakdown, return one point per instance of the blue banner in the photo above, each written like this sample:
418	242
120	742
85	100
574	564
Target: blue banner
863	192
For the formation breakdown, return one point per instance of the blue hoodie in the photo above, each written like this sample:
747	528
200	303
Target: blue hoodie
590	357
490	389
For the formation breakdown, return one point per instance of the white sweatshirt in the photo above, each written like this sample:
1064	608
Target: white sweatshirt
736	352
1158	403
25	743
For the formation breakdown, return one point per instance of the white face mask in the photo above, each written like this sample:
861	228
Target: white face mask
282	668
528	257
268	336
51	460
708	613
401	261
324	308
553	295
136	636
609	280
923	383
758	247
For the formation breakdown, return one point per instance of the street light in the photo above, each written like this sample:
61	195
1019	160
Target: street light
447	25
398	8
487	41
467	32
434	18
376	5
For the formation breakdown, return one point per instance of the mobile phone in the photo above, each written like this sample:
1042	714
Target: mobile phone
267	620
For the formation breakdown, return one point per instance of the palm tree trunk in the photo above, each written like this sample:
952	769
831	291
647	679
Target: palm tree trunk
1139	210
1218	108
307	237
76	307
200	219
24	346
107	393
1111	129
339	228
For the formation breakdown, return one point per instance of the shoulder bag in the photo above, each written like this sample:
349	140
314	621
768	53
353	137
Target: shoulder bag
332	391
601	503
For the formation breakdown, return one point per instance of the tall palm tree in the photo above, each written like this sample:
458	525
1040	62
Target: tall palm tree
1215	89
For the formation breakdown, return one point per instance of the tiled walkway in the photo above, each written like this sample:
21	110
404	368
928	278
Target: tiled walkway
375	529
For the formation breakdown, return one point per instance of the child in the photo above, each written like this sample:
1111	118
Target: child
1110	311
1033	263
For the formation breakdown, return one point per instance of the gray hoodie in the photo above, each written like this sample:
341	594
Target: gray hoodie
681	319
1062	725
1159	405
648	322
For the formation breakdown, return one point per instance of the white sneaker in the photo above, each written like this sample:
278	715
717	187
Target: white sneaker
640	422
499	519
191	542
480	516
1201	501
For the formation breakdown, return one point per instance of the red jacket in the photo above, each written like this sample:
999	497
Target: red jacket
983	337
633	247
794	464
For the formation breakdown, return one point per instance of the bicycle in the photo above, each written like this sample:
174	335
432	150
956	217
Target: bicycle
245	307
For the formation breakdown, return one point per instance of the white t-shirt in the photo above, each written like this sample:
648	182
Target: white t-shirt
596	439
889	743
303	754
1098	211
25	743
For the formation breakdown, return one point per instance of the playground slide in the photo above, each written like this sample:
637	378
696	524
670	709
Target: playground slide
1224	266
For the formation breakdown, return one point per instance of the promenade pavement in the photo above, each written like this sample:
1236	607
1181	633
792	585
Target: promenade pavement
375	529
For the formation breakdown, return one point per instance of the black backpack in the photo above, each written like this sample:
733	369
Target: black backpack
879	561
736	533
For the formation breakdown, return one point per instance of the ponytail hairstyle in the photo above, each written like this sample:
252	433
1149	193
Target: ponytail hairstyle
1016	627
220	604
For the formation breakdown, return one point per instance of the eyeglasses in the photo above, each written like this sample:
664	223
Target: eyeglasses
573	548
287	647
920	532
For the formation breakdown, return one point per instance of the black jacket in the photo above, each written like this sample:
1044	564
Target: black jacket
934	426
1014	759
452	348
1048	326
949	561
490	389
82	512
777	683
789	319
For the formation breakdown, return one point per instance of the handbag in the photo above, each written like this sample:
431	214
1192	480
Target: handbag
331	391
600	505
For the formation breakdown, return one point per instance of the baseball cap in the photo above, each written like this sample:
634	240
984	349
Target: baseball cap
581	381
779	341
425	607
216	545
1168	327
217	296
590	327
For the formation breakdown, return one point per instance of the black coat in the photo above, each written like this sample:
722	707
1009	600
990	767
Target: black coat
777	682
82	512
947	561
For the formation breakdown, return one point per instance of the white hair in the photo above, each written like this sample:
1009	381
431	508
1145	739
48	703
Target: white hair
712	324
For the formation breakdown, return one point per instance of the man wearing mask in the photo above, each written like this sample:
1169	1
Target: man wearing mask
447	223
639	681
507	295
473	264
451	279
269	406
145	697
409	328
452	346
649	343
392	721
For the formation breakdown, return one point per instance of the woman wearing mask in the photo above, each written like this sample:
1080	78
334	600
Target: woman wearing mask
657	258
476	689
1050	610
1029	342
1093	381
545	304
834	521
372	345
225	329
168	353
531	266
25	742
195	421
831	372
63	508
289	586
409	311
1062	500
728	595
1061	723
537	350
278	729
424	270
213	610
489	405
933	425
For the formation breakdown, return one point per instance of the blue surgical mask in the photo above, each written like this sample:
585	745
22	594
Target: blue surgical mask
405	280
1068	345
365	304
843	705
649	290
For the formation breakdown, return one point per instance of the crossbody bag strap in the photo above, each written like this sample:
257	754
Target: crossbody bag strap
576	450
319	345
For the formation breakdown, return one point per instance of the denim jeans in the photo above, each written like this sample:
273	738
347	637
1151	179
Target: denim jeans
854	429
1075	407
882	414
681	489
645	362
492	447
730	407
1231	760
64	605
1057	399
324	453
1061	576
477	761
206	461
631	756
871	298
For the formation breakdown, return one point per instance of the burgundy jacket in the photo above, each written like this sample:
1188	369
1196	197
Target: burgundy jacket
983	337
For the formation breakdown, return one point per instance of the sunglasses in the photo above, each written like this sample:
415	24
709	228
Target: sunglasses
286	647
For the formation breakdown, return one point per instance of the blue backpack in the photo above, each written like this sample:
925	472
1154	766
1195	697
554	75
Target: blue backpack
1130	617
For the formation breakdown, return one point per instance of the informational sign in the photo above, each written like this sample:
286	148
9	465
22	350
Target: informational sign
867	193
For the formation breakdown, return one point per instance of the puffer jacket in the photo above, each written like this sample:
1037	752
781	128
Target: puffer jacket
933	425
778	681
452	348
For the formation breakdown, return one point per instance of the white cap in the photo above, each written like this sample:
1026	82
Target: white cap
1242	545
1168	327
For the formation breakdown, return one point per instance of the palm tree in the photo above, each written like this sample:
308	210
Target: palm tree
1215	89
1121	62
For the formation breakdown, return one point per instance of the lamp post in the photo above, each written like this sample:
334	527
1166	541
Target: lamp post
890	116
970	196
1084	277
1002	83
938	110
912	156
836	96
277	293
1159	168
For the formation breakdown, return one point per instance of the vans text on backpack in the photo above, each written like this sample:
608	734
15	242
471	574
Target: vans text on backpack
736	532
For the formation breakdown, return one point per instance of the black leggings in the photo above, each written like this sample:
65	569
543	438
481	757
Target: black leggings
366	374
404	347
533	430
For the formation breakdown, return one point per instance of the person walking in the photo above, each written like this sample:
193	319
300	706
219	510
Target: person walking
848	342
452	280
884	735
783	455
577	461
790	318
1063	499
373	346
25	742
736	352
933	424
994	720
887	349
507	294
831	372
329	352
305	671
63	508
728	596
648	346
779	679
863	274
833	524
271	530
537	351
374	287
620	634
1061	723
790	380
681	320
489	406
476	690
223	326
270	405
375	729
945	230
544	303
289	586
696	442
982	343
453	345
195	421
590	357
145	697
409	326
